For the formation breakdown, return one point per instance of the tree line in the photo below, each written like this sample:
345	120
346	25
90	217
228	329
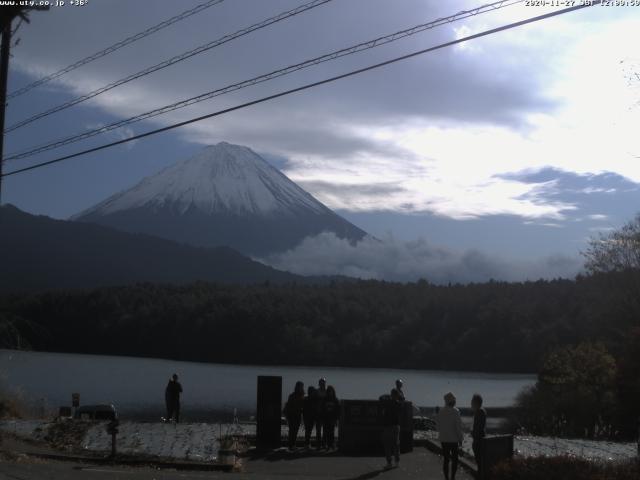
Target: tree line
493	326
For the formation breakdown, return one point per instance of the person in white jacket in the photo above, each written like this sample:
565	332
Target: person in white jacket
450	434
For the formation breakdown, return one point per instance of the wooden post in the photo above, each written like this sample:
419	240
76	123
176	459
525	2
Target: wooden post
4	73
7	14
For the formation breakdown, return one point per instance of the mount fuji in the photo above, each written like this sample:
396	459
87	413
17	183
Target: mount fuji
226	195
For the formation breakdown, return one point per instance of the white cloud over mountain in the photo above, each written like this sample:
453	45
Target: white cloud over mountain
389	259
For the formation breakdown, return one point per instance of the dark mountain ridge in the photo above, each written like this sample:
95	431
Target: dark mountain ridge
39	253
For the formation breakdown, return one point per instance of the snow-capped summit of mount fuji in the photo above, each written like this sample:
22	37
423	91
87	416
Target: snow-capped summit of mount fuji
224	195
222	178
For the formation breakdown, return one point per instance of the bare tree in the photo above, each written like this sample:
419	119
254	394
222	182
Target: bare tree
618	253
615	251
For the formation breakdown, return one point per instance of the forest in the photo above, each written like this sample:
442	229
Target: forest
493	326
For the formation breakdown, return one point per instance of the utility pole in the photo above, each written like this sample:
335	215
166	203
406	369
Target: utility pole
4	72
7	14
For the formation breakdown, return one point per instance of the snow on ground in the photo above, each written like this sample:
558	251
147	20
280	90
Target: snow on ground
531	446
24	428
187	441
198	441
184	441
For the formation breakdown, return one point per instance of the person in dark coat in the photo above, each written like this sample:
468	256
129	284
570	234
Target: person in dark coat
479	430
293	413
172	398
318	403
330	416
308	415
399	386
391	413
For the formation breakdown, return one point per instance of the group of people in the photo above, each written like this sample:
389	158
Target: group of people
317	408
450	433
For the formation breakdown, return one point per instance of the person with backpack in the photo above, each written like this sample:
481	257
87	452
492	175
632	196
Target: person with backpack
391	414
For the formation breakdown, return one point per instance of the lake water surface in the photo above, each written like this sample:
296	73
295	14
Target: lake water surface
137	384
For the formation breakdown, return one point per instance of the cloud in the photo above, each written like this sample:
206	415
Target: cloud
121	133
355	189
391	260
597	197
447	84
124	133
457	188
432	134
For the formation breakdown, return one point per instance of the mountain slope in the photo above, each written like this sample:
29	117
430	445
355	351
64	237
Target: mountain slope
38	252
225	195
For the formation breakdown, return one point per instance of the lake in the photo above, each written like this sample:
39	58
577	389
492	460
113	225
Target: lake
136	385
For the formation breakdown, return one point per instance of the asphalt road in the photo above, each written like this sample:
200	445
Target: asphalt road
419	464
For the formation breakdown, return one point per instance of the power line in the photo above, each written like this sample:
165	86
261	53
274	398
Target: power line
114	47
308	86
172	61
7	15
265	77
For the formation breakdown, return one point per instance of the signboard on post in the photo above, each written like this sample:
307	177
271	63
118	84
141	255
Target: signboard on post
361	427
75	400
269	408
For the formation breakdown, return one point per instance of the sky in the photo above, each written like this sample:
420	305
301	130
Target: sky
513	149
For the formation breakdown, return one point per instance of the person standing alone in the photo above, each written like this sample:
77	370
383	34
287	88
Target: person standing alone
450	434
172	398
399	388
479	428
391	412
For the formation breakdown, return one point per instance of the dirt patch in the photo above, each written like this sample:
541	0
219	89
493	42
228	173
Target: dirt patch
17	457
11	405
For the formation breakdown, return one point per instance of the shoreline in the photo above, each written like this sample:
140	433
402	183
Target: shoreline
432	371
136	385
247	416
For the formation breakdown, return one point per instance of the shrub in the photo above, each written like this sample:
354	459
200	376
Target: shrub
574	394
565	468
10	405
628	387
